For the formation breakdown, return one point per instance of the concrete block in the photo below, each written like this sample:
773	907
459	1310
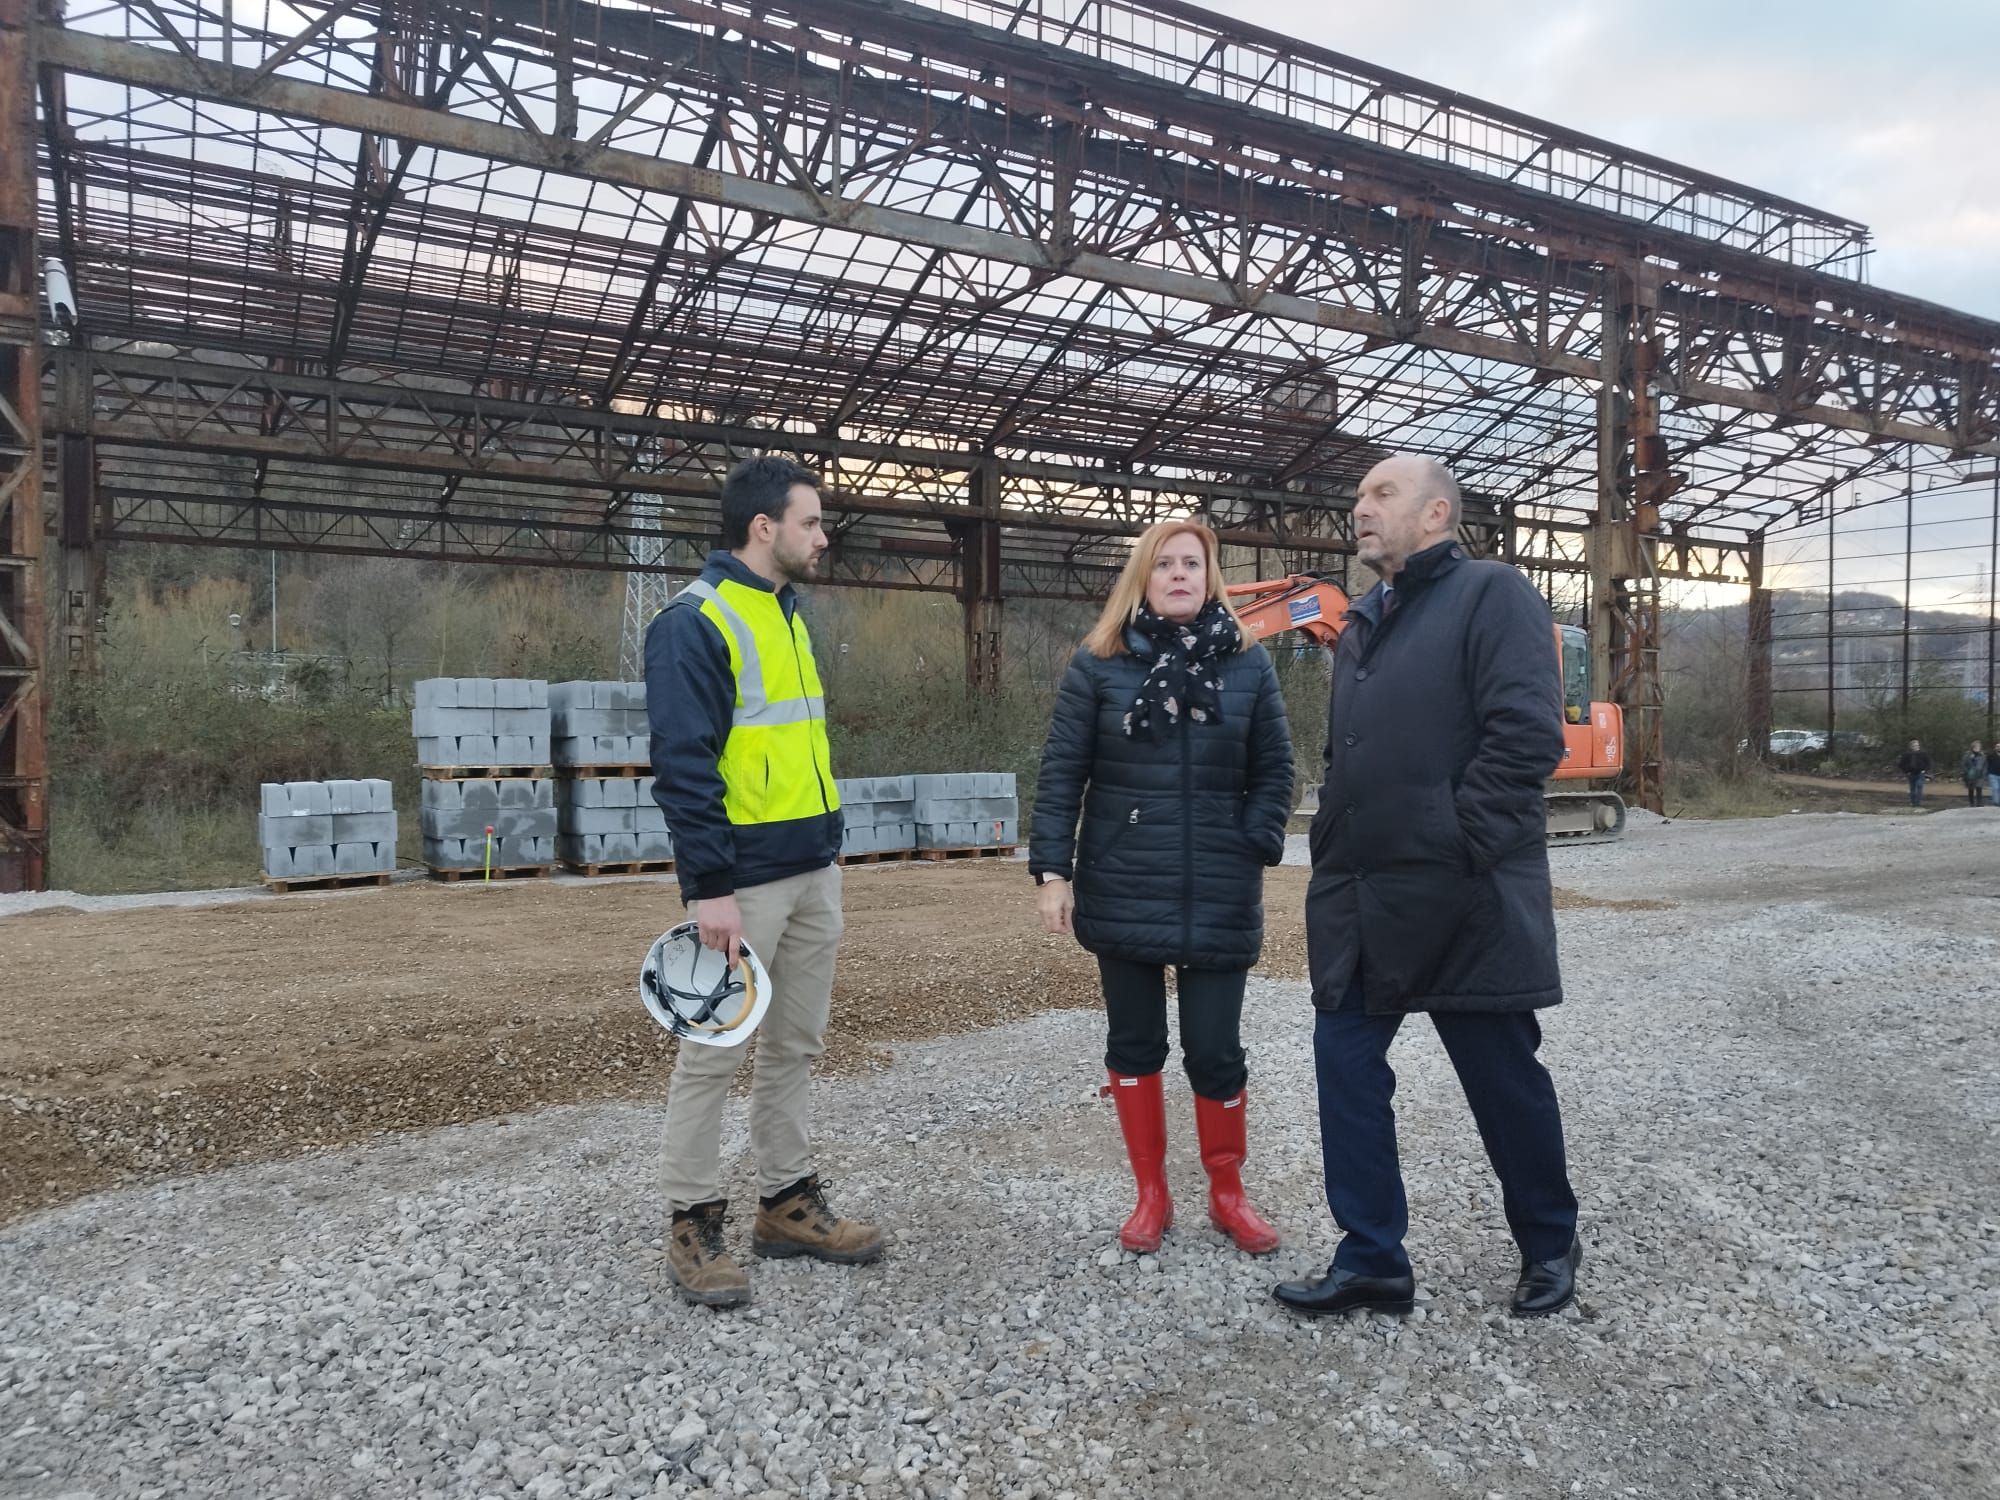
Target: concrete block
291	832
598	820
444	795
278	863
273	801
628	697
583	791
379	794
621	791
475	692
474	796
649	818
657	844
312	859
447	854
509	692
342	797
449	723
521	721
435	692
538	692
364	828
476	750
308	798
362	859
645	792
899	810
522	791
432	751
514	750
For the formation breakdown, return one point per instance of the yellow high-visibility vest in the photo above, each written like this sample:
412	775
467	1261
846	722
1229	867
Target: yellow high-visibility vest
776	764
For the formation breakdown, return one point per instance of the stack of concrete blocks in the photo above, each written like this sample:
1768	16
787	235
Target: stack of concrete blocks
599	724
311	829
880	813
481	721
968	810
520	810
607	820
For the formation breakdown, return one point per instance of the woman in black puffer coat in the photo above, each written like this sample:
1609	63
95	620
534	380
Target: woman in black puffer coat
1170	740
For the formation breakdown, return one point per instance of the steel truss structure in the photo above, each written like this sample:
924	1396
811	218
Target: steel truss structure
462	278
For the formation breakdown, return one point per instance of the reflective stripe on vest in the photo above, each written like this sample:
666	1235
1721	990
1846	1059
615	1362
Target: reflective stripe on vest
775	764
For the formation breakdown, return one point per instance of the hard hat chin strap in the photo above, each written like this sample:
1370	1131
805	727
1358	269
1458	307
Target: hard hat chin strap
704	1005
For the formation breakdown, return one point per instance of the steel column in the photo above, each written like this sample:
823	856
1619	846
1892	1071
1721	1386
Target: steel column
981	593
1757	677
23	741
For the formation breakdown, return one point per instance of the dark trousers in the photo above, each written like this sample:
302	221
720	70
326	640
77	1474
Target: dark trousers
1135	1005
1513	1102
1917	788
1975	792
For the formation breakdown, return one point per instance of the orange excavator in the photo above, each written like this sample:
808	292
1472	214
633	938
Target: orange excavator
1593	733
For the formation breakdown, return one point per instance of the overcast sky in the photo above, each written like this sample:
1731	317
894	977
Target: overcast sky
1883	113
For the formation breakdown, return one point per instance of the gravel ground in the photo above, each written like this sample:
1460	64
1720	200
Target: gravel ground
1782	1104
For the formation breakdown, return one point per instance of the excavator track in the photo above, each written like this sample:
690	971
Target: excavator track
1585	817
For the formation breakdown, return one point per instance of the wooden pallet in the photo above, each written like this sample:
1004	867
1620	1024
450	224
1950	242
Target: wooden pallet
499	872
488	773
284	883
621	867
991	851
609	773
880	857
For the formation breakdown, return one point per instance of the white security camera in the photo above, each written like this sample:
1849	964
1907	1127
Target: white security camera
62	297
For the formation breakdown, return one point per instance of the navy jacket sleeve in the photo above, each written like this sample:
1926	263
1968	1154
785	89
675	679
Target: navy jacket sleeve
1516	689
1066	763
690	703
1267	801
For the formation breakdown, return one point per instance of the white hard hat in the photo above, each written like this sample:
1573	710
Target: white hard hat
692	992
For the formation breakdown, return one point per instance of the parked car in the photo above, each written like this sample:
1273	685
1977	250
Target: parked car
1790	742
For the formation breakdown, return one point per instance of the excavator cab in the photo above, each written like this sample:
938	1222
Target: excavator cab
1575	673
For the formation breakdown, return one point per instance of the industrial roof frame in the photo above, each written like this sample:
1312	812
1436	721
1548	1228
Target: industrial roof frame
458	278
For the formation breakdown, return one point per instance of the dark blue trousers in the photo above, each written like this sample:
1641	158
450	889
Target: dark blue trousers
1513	1102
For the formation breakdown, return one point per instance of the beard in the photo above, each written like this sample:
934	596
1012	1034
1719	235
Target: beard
798	567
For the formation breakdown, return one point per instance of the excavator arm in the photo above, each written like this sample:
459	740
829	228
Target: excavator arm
1592	732
1301	602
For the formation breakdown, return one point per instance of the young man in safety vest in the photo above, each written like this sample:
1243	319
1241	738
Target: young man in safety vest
742	770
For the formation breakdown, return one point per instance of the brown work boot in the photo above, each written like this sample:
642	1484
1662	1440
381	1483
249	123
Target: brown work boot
798	1222
701	1268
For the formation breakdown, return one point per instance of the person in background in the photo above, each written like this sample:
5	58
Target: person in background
1169	738
1972	771
1915	763
1993	774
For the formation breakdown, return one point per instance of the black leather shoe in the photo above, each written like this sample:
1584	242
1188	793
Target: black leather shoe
1547	1286
1344	1291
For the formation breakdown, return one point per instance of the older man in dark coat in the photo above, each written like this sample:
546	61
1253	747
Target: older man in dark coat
1430	888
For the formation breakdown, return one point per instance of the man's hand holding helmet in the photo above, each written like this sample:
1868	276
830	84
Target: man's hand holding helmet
721	923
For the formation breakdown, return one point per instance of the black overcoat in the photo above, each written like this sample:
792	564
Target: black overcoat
1430	868
1168	862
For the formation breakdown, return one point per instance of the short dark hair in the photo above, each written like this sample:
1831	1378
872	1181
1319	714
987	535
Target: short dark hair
760	486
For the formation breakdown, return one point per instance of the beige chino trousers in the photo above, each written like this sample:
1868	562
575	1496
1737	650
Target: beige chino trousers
794	926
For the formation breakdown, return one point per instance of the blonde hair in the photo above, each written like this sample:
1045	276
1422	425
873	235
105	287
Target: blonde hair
1107	636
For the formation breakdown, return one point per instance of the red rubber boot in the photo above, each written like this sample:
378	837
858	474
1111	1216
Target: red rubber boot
1142	1117
1219	1123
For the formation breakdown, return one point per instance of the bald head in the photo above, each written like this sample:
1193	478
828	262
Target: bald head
1405	503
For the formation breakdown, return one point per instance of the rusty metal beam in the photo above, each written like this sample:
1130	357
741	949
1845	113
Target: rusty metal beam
23	627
